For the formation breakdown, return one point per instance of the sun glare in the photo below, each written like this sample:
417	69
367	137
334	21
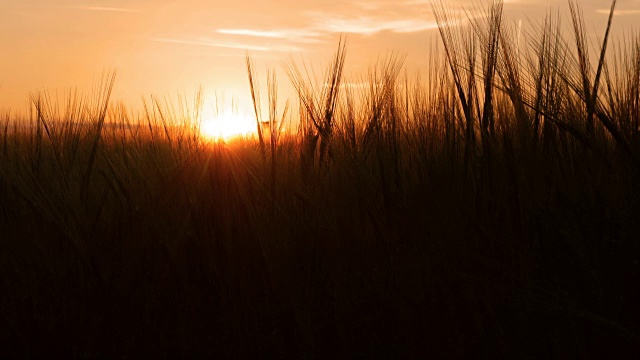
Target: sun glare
227	126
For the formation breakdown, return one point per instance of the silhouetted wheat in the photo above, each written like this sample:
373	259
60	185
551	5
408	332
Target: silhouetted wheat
488	211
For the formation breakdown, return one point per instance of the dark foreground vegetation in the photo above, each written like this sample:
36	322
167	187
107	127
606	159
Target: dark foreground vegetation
489	212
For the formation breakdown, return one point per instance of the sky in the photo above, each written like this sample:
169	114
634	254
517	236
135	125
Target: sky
174	47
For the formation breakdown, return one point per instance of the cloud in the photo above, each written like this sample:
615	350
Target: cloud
317	24
370	25
355	17
106	9
295	35
228	45
618	12
256	33
371	17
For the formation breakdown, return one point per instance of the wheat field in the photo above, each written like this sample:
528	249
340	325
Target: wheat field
489	210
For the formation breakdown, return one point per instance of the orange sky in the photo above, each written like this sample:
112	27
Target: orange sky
170	47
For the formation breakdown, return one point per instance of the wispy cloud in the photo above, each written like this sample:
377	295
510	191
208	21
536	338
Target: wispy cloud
106	9
370	25
256	33
292	35
318	24
228	45
212	44
618	12
356	17
374	16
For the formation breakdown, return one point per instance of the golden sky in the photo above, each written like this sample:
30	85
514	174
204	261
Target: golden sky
170	47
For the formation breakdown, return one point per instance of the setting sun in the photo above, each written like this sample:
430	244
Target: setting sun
227	126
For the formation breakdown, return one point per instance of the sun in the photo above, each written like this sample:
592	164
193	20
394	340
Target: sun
227	126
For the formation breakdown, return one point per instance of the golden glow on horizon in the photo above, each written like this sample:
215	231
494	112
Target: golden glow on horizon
227	126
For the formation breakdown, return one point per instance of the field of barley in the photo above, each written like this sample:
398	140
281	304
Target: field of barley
489	210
